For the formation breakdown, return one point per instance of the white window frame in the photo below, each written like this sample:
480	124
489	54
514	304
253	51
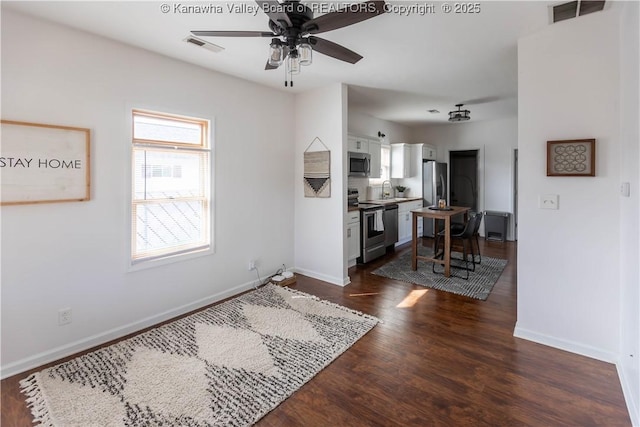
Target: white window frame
176	254
383	177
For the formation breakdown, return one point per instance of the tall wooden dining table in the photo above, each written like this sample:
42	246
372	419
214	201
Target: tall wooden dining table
444	215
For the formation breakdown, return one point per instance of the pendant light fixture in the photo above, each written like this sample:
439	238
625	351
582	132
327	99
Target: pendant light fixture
459	115
305	53
293	62
276	53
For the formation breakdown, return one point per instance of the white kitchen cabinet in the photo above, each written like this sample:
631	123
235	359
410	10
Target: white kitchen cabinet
400	161
353	236
375	150
405	224
416	168
429	152
357	144
416	205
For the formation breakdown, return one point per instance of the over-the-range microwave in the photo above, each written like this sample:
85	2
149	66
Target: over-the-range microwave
359	164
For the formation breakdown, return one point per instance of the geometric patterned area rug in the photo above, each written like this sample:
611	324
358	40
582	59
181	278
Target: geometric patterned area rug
478	285
227	365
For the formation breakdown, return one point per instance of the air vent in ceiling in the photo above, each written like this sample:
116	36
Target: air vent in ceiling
590	6
573	9
201	43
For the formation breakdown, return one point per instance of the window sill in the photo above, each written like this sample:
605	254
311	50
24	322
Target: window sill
169	259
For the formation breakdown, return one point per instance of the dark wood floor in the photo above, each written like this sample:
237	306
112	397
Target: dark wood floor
436	359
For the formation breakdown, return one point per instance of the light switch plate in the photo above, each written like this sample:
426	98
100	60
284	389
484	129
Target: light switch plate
625	189
548	201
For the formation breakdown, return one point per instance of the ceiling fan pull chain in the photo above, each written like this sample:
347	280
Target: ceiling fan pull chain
287	70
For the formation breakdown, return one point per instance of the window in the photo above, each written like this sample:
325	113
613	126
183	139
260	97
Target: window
385	166
170	208
385	163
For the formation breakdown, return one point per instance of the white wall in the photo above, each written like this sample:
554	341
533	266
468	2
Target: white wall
320	237
367	125
496	141
75	254
568	259
630	208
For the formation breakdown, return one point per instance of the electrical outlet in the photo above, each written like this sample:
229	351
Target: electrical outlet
548	201
64	316
252	265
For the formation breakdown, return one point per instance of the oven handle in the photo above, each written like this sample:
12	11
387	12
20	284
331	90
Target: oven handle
373	211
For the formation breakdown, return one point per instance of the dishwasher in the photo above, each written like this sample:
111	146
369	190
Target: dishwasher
390	221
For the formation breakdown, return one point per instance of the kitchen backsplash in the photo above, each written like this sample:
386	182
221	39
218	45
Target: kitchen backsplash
361	184
376	189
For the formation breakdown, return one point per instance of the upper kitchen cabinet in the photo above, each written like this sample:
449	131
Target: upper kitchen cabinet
428	152
400	160
375	149
358	144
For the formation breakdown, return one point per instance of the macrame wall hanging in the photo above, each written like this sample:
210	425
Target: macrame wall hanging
317	171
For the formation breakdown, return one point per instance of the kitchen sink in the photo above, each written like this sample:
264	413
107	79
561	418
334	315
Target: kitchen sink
392	200
382	201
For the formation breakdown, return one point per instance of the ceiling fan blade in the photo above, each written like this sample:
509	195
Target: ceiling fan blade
275	12
334	50
269	66
344	17
233	34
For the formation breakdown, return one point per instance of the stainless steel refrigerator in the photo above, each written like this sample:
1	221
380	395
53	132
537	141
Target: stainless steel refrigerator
434	187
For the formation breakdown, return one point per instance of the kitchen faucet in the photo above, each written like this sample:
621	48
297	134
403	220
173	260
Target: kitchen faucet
388	194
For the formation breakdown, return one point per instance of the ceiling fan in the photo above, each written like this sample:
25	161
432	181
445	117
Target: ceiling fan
293	27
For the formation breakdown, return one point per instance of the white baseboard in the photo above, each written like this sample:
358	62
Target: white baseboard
632	404
101	338
570	346
333	280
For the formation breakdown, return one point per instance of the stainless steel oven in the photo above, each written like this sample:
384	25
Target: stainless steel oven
371	232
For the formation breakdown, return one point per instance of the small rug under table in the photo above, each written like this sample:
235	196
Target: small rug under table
227	365
478	286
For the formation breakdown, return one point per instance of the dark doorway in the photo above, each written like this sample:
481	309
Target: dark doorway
463	178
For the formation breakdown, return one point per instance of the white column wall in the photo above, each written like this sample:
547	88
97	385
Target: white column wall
568	259
320	235
629	367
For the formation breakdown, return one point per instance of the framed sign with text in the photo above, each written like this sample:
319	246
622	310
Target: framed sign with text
43	163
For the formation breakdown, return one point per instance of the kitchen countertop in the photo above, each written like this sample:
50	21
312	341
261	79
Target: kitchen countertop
385	202
394	200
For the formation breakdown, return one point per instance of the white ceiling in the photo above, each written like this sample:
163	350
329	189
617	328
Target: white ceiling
412	62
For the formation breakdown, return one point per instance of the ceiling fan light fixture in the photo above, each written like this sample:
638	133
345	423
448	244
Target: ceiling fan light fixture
293	63
276	53
293	27
305	53
459	115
